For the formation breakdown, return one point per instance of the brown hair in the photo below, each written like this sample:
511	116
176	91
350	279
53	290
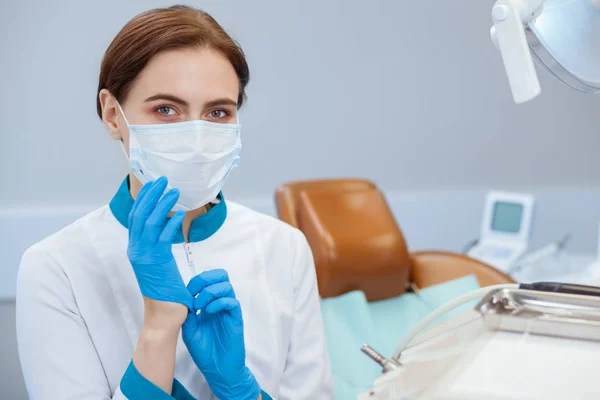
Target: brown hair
159	30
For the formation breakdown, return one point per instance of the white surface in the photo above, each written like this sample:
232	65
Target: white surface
515	366
460	360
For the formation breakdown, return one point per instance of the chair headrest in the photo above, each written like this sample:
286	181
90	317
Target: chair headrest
287	195
356	243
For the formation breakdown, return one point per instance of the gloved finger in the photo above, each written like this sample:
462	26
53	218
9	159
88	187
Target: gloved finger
191	320
190	325
146	206
136	203
158	218
225	304
172	227
206	278
213	292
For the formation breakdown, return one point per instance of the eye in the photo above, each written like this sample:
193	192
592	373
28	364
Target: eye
165	110
216	114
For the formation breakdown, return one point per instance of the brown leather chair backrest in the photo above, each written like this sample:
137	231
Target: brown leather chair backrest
356	243
288	195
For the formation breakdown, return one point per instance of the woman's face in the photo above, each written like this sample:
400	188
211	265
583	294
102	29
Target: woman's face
176	86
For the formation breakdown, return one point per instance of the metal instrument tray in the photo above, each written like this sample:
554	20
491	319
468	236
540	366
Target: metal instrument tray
542	313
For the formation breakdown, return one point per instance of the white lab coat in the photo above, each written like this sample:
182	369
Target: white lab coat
80	311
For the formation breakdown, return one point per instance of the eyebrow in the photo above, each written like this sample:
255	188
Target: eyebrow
213	103
168	97
225	101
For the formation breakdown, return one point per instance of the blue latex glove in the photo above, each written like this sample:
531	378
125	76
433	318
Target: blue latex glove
215	337
150	237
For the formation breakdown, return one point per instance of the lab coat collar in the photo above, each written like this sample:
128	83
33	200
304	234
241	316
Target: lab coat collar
202	227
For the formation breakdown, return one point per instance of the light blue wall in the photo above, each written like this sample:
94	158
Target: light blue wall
409	94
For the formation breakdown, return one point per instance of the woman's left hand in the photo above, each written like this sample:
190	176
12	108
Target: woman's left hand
215	337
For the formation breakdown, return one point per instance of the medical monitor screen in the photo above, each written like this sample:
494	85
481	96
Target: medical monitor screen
506	217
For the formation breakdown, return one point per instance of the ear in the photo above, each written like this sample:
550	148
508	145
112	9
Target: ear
111	116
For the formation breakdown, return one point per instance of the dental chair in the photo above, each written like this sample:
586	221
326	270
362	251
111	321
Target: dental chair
365	273
357	244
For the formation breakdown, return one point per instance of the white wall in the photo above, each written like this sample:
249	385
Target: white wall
12	386
409	94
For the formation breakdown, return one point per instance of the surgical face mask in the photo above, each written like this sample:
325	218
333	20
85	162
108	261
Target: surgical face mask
195	156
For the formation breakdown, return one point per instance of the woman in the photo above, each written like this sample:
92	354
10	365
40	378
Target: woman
170	291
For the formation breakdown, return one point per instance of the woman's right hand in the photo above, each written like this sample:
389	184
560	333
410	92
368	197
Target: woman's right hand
149	251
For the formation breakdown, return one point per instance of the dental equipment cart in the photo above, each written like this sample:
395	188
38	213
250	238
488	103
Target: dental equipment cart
514	345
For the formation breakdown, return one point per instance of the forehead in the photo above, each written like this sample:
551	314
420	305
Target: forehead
193	74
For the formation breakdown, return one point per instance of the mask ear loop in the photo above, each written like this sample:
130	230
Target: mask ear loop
122	146
121	142
122	113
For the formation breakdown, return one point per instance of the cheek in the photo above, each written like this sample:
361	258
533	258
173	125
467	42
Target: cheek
139	116
146	116
233	116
